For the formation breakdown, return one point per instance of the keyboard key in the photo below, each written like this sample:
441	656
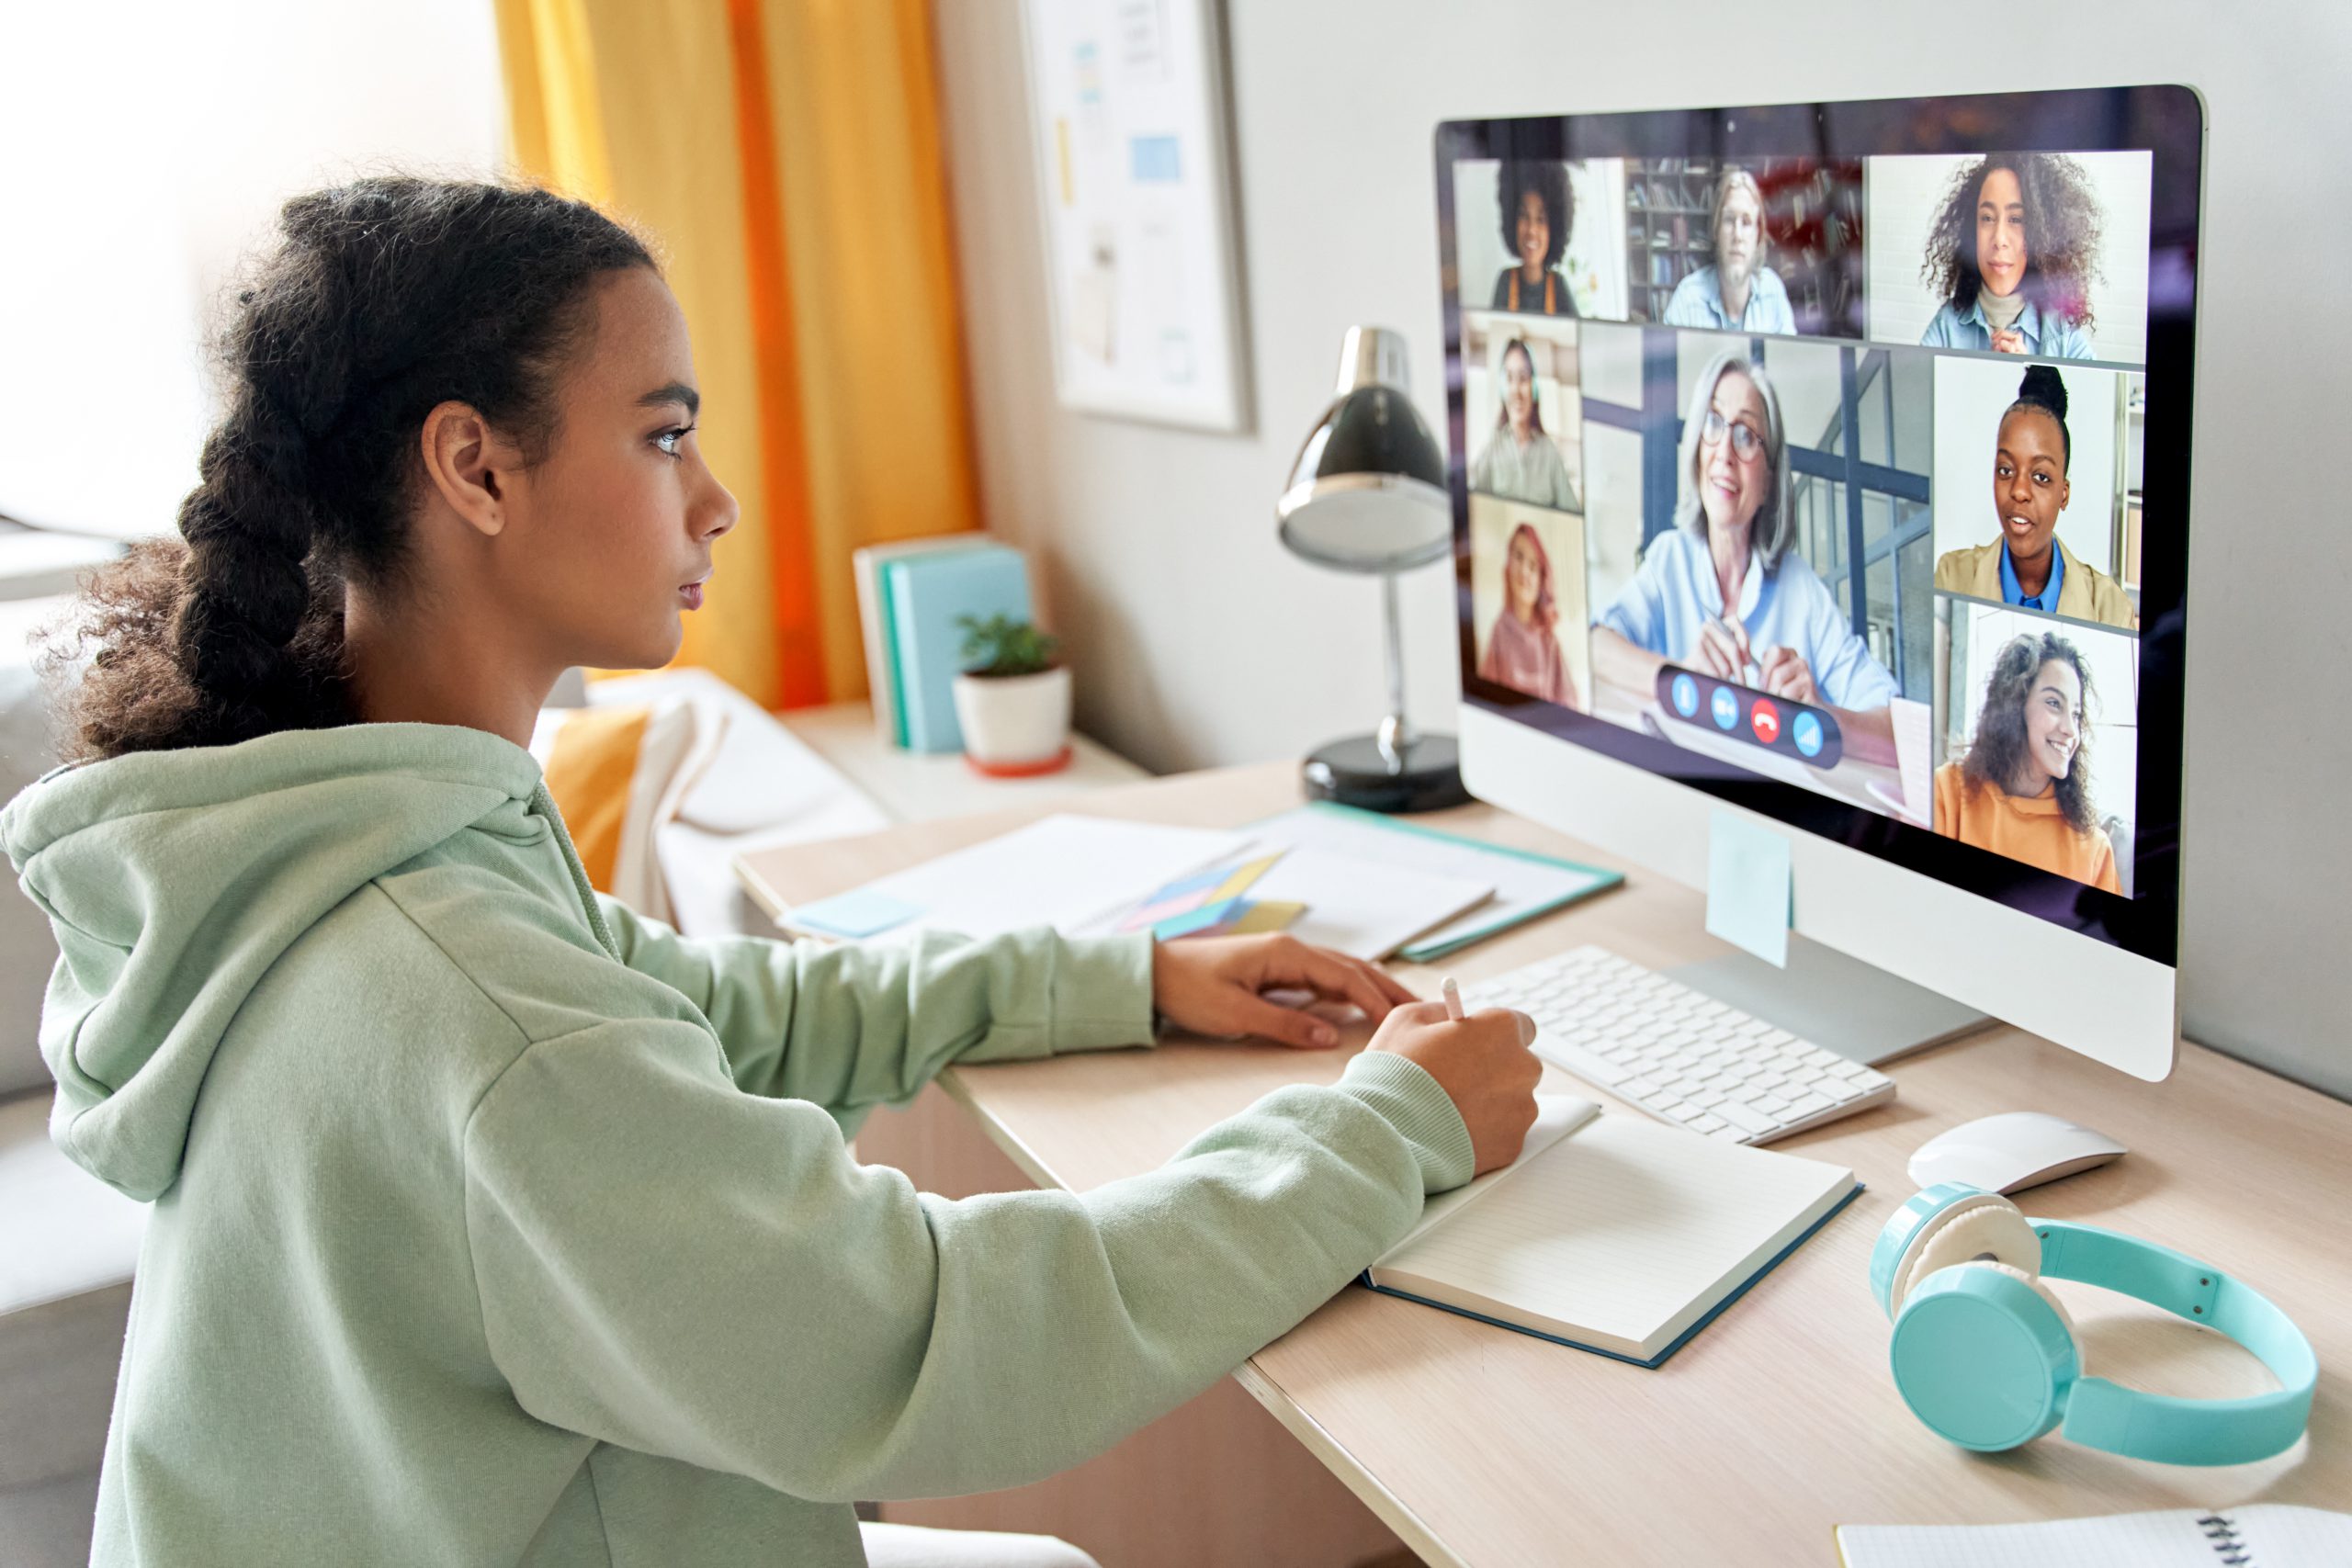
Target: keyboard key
1807	1105
1746	1118
1707	1121
1583	1063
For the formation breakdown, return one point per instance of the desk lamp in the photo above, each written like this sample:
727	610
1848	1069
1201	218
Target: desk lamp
1368	494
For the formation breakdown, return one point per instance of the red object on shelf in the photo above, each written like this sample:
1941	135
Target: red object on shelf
1052	764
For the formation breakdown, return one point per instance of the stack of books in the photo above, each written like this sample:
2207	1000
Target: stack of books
911	596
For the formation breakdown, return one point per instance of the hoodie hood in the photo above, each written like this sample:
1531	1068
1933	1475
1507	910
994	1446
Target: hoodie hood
175	880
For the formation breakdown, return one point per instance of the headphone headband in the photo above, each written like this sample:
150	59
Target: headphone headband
2104	1414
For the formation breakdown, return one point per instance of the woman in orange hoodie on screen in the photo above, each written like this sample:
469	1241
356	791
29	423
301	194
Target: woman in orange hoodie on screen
2024	788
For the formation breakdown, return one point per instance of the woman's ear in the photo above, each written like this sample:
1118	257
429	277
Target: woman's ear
468	466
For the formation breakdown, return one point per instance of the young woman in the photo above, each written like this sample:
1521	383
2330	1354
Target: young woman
1538	211
2024	788
2012	254
494	1224
1723	593
1521	461
1735	292
2028	566
1524	645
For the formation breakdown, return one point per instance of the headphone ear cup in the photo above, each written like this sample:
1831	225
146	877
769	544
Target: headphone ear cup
1982	1227
1984	1354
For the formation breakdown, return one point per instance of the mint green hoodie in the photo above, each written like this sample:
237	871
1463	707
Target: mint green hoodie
496	1225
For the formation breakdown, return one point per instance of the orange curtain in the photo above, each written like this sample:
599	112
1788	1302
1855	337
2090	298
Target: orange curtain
785	157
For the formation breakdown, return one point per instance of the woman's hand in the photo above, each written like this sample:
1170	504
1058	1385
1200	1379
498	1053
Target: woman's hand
1484	1064
2010	341
1722	650
1211	986
1786	675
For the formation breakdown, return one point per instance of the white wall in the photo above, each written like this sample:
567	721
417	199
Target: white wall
149	147
1198	641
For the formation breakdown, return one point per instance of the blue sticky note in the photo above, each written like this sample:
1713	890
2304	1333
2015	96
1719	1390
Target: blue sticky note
854	914
1208	916
1750	895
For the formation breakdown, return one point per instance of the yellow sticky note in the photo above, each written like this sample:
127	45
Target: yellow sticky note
1751	889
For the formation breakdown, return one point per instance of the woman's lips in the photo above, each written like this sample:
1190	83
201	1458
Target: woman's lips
2019	526
691	596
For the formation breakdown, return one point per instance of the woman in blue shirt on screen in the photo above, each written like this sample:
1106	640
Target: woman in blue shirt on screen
2012	254
1737	292
1723	593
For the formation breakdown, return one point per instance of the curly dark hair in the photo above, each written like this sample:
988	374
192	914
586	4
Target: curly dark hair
2063	223
1997	756
1549	180
382	299
2044	390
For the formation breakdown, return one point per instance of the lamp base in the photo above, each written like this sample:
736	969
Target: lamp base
1353	773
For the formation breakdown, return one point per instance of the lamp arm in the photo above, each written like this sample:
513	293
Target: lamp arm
1395	737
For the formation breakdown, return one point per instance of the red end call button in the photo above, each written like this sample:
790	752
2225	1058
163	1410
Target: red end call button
1764	719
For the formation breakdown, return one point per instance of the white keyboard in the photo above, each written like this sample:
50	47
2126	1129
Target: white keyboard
1678	1054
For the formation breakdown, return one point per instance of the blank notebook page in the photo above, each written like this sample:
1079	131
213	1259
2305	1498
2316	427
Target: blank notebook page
1620	1227
2268	1535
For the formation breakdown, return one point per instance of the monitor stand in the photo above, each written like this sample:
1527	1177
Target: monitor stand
1838	1003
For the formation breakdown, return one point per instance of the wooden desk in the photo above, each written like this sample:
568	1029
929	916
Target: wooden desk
1779	1421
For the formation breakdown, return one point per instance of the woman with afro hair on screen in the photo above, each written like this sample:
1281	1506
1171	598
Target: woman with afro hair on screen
1538	213
2012	254
2024	787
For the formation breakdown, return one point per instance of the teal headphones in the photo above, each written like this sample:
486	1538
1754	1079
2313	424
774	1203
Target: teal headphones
1984	1354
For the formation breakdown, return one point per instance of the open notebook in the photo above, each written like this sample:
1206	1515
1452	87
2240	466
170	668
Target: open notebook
2266	1535
1613	1234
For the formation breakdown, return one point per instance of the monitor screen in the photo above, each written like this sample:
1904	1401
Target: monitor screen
1833	458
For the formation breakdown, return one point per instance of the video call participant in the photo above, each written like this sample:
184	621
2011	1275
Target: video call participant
2024	788
2028	566
1521	461
1524	646
1538	211
1738	293
2012	254
1723	593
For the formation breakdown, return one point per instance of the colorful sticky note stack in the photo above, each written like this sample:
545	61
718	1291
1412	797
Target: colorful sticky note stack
1210	903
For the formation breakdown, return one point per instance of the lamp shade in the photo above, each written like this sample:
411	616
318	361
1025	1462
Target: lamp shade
1368	491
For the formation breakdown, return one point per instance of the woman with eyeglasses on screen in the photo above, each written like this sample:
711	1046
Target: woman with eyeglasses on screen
1521	461
1524	645
1538	211
1735	292
2028	566
2012	254
2024	788
1723	593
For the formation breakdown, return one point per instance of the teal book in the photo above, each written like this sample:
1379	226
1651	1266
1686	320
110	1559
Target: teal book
926	595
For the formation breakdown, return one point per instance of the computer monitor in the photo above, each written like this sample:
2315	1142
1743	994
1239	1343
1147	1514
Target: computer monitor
1827	464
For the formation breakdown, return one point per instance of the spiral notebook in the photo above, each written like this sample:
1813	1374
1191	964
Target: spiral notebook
2265	1535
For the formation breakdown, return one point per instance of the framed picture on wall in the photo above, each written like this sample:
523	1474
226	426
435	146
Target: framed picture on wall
1128	123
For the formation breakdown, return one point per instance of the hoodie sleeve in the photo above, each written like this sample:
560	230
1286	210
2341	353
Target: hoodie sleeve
855	1025
667	1264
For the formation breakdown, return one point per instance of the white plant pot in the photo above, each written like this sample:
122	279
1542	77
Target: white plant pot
1014	721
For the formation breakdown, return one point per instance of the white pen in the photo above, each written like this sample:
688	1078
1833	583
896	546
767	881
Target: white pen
1453	994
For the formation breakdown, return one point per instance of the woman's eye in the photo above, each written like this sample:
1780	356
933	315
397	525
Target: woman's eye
667	443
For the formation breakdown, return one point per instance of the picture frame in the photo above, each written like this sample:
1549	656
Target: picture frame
1128	134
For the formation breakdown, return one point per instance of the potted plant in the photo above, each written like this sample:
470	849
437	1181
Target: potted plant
1012	698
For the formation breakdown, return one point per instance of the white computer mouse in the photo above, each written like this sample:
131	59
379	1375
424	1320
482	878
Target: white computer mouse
2012	1152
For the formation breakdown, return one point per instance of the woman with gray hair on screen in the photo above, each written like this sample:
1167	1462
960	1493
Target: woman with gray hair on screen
1722	593
1737	292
